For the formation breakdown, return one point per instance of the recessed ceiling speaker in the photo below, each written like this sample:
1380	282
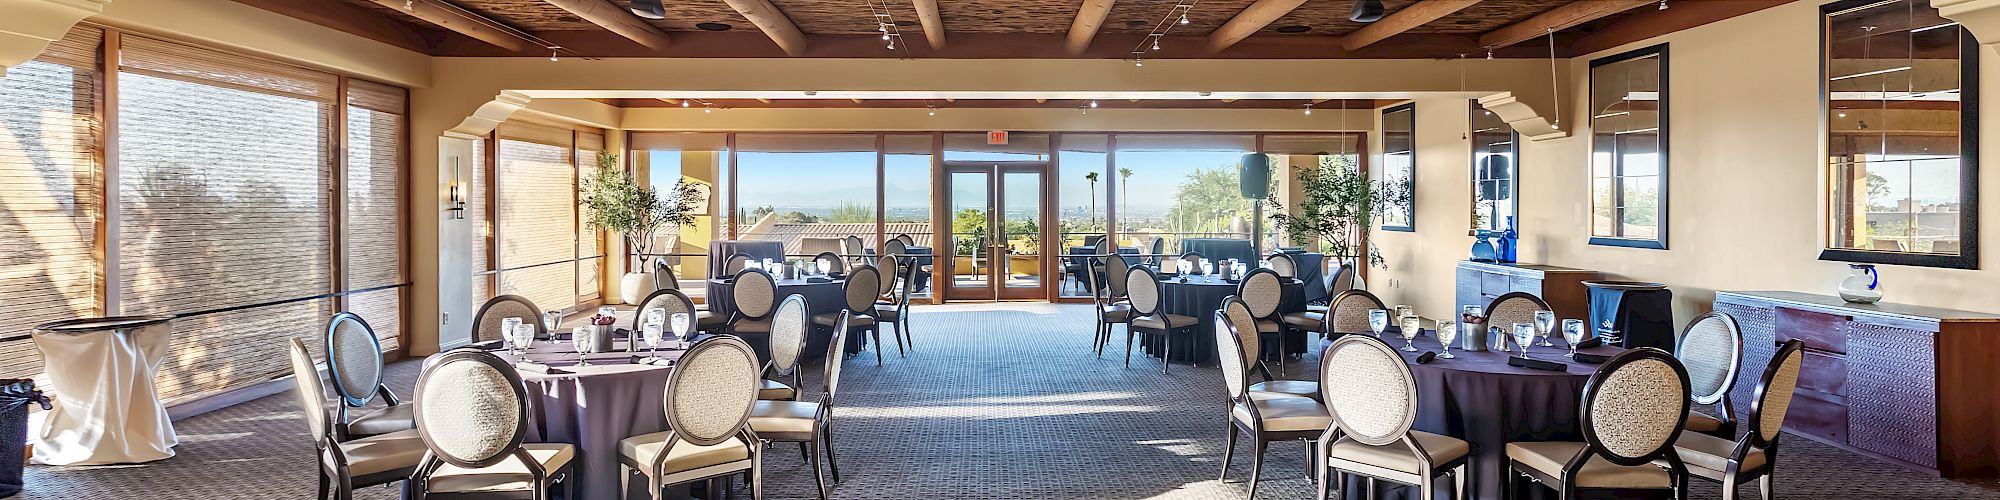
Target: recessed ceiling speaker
1365	11
652	9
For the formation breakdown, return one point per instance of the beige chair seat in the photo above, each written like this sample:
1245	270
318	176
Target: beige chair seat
887	312
401	417
1305	320
392	454
853	322
508	475
1286	414
772	389
751	326
1708	455
1700	422
1119	313
1548	458
1397	456
783	417
1268	326
1158	321
638	452
1317	308
707	319
1285	388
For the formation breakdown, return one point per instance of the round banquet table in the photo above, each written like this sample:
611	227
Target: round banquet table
823	296
594	406
1479	398
1199	297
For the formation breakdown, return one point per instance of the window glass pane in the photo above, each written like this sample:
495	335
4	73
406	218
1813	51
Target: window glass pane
1080	209
697	159
1307	170
1627	95
374	233
808	191
536	222
906	195
1184	186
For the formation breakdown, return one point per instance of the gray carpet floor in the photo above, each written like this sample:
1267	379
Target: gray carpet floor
995	401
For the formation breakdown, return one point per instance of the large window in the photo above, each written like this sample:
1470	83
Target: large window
1901	137
1399	165
1495	147
1082	212
544	254
806	190
906	191
1628	158
1185	187
48	189
699	160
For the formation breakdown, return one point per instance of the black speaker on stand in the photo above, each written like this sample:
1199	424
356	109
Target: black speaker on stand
1253	179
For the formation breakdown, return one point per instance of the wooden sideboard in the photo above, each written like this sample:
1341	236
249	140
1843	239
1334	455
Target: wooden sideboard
1562	287
1910	384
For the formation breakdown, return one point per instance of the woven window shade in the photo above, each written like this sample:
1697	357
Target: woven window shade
224	200
374	204
536	218
48	176
588	145
475	211
537	133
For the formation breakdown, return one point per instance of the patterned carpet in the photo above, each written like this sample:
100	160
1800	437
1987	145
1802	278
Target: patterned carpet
997	401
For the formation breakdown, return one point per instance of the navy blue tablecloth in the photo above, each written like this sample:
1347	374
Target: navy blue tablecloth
821	298
1199	297
1221	248
720	250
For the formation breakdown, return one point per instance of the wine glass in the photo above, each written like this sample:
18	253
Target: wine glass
651	334
1378	320
507	327
1411	325
581	339
550	319
1404	311
524	338
1207	268
1447	331
656	315
1524	335
1572	333
825	266
680	325
1545	322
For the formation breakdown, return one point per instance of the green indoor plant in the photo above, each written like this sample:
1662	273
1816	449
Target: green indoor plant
615	200
1340	205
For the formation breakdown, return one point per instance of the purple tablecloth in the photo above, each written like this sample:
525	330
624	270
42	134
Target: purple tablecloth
821	298
1200	296
1479	398
593	407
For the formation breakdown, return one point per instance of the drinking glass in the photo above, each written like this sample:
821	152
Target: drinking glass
1447	332
1404	311
550	319
524	338
1545	322
1572	333
1411	326
1208	268
1378	320
825	266
507	327
1524	335
680	326
580	338
656	316
651	334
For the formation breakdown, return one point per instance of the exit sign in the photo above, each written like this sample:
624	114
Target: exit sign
996	137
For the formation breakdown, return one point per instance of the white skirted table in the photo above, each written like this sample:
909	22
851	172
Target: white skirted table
106	409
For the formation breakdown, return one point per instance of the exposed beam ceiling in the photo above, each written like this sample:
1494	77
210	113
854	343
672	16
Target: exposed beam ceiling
616	19
464	22
1089	18
767	17
1418	14
927	13
1246	23
350	18
1560	18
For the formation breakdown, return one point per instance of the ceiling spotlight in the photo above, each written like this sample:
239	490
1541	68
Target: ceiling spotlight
885	36
1663	4
684	103
410	5
1365	11
1184	19
552	54
1093	103
1086	109
1843	113
1156	43
649	9
1309	109
892	45
931	109
1138	63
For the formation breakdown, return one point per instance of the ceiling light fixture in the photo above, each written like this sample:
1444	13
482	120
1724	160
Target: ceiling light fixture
1663	4
1086	109
1156	43
1184	19
649	9
1309	109
1177	15
1366	11
410	5
1093	103
931	109
552	53
684	103
886	24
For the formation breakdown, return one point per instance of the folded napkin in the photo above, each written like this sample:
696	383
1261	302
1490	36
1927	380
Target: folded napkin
816	279
1591	359
1536	364
490	345
533	367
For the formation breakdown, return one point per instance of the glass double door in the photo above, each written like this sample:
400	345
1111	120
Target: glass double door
996	226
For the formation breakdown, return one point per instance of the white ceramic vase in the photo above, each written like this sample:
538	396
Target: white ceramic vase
634	287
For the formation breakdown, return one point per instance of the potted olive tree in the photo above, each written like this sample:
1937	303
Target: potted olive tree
615	200
1340	205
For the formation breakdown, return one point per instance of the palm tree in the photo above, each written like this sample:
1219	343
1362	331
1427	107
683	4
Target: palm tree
1125	176
1092	177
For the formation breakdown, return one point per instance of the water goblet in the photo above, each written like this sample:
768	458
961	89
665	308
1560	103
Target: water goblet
651	334
656	316
1207	268
581	339
1447	331
523	339
550	319
1378	320
507	327
680	324
1411	326
825	266
1404	311
1572	333
1545	323
607	311
1524	336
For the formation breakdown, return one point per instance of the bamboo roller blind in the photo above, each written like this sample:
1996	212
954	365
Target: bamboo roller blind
476	211
373	235
536	213
49	170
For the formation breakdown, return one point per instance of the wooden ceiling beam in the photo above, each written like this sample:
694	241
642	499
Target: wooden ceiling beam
927	14
1246	23
1089	17
616	19
1408	18
350	18
1557	19
464	22
772	21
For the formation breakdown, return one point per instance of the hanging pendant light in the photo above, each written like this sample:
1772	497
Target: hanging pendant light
649	9
1365	11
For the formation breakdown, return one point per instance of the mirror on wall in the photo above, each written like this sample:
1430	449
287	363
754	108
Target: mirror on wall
1495	149
1399	165
1628	160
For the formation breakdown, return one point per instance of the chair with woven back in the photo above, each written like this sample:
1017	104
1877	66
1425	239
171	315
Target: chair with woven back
472	412
1154	249
663	275
1238	312
1348	312
1712	350
1264	291
1513	307
1266	418
895	310
1149	319
789	326
908	241
1194	260
808	423
674	301
853	251
1112	306
710	394
1734	463
863	286
1631	417
487	322
357	463
354	360
756	296
832	261
1373	408
1284	265
736	262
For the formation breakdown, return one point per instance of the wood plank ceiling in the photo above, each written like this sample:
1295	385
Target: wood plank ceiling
1301	29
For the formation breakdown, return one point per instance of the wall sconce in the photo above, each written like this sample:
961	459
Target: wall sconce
458	188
